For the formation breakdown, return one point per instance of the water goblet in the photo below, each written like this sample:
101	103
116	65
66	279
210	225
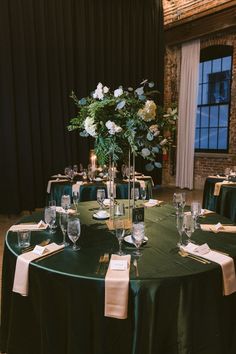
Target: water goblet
188	225
73	231
120	232
196	211
63	221
50	218
135	193
227	173
138	236
100	197
65	202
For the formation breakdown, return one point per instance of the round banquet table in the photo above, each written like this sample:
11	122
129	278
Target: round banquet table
175	306
225	203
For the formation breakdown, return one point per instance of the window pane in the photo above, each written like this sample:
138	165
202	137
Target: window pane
214	116
216	65
198	118
224	112
223	134
197	138
200	73
226	63
206	70
205	94
204	139
199	94
205	117
213	138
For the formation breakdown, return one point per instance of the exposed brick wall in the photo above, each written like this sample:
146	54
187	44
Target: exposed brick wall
203	165
175	10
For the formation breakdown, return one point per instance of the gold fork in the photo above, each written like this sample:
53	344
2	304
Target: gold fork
135	264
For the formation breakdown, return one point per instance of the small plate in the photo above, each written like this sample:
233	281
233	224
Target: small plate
97	217
129	240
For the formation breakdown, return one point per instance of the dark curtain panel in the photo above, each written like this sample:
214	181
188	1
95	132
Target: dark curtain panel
48	48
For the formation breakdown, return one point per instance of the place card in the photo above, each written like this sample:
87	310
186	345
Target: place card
39	250
218	226
118	264
138	214
203	249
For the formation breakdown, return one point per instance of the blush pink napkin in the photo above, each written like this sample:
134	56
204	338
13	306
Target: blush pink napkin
226	263
21	279
117	290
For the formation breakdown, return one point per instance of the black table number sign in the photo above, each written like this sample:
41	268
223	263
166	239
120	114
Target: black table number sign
138	214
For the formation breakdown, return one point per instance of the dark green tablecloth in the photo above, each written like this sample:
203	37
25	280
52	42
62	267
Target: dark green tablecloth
225	203
89	191
176	306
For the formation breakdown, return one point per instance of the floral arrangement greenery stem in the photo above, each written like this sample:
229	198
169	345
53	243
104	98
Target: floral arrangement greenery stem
123	120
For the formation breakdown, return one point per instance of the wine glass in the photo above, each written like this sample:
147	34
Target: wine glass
138	236
120	232
65	202
100	197
63	221
227	172
75	198
123	170
75	168
135	193
73	231
143	193
50	218
188	225
196	211
179	202
180	228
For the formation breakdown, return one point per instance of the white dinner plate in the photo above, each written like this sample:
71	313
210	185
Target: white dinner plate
95	216
129	240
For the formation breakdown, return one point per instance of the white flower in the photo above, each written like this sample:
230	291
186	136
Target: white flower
163	142
112	127
90	126
145	152
118	92
105	89
98	93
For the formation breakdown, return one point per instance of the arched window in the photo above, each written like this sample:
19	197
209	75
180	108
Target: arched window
212	122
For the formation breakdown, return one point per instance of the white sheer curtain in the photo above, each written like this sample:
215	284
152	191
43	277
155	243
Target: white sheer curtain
187	113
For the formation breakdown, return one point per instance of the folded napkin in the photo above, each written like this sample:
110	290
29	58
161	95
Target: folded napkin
218	176
226	263
146	178
54	181
21	279
29	227
218	187
204	212
76	187
218	228
152	203
112	188
117	289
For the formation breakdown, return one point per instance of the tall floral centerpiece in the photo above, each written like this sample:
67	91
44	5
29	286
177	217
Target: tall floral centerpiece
124	122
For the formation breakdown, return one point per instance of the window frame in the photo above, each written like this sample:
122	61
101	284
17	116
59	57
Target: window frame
209	54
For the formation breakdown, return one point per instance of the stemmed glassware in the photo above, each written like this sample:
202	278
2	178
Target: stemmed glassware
179	202
188	225
227	172
196	211
63	221
143	193
50	218
101	195
65	202
73	231
138	236
135	193
180	228
120	232
75	198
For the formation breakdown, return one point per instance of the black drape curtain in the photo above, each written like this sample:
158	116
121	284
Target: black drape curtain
48	48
